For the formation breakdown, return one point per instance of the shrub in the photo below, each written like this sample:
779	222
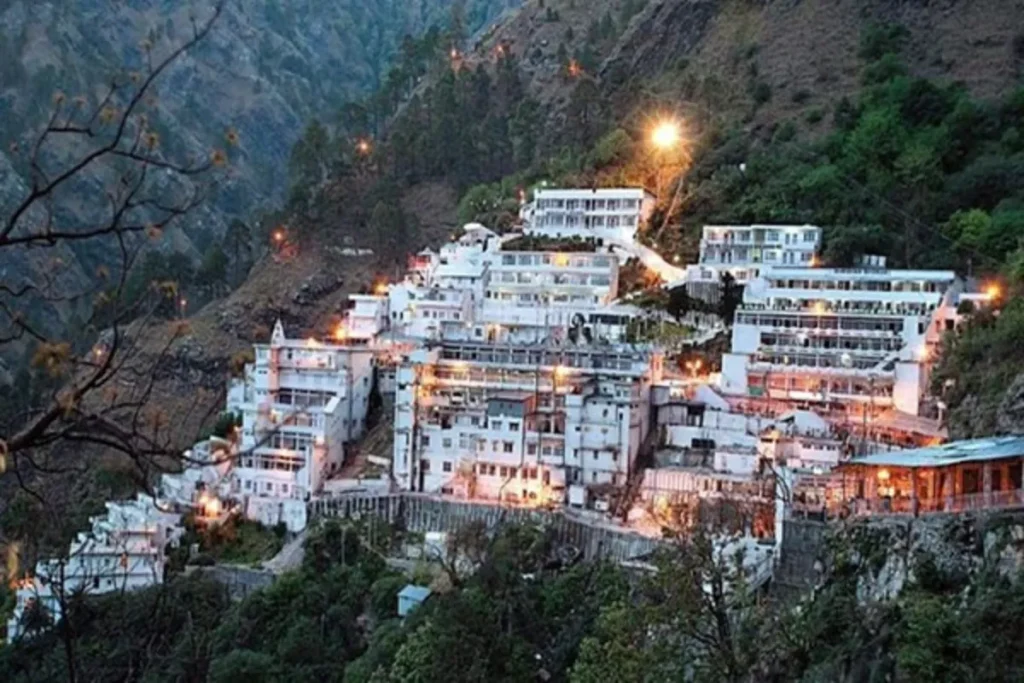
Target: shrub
762	92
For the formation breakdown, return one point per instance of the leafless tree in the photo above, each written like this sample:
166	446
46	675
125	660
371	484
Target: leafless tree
103	395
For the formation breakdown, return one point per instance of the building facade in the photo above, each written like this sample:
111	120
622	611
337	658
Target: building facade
524	424
612	213
301	402
483	287
123	550
858	339
744	251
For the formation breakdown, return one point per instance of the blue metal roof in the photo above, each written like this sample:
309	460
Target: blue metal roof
415	593
953	453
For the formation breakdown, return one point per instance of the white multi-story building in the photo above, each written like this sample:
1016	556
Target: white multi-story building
123	550
612	213
744	251
301	402
853	339
366	318
524	423
484	287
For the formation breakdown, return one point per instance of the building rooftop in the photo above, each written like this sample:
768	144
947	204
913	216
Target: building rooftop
573	193
459	269
847	274
415	593
954	453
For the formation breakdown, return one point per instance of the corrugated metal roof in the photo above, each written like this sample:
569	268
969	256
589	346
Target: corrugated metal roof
953	453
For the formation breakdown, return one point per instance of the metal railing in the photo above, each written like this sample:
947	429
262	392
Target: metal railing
903	505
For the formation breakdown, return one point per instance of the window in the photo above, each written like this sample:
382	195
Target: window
503	472
496	425
425	440
509	446
446	443
269	486
446	466
513	426
284	488
808	235
531	449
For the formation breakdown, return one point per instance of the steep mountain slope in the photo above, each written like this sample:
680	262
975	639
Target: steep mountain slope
756	64
267	68
804	52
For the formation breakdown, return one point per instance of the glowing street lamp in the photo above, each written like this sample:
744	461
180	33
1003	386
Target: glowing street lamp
993	292
666	135
363	147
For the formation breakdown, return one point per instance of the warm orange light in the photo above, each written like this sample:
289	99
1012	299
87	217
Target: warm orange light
923	353
574	68
454	54
561	260
666	135
340	333
819	307
815	261
561	371
213	507
363	147
883	475
380	289
312	342
278	235
993	292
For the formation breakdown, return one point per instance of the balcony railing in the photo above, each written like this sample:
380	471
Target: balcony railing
904	505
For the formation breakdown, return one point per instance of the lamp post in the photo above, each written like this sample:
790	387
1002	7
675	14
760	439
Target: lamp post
665	137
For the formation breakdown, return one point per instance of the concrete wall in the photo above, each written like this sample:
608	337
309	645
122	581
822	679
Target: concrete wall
803	543
424	513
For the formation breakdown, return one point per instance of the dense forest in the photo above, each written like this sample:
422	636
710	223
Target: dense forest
511	612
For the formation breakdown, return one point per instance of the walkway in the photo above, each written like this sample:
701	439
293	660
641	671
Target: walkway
652	260
290	556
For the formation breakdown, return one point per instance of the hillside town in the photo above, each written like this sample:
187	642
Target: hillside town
511	370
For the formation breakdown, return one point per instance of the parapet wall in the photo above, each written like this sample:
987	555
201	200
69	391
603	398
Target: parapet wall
425	513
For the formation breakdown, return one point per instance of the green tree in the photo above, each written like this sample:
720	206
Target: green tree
730	297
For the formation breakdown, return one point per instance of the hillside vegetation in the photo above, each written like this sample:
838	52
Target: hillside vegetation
268	67
523	616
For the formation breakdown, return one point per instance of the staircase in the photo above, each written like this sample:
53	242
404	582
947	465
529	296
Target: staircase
644	460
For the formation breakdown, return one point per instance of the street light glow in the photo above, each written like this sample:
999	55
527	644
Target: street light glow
666	135
993	292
